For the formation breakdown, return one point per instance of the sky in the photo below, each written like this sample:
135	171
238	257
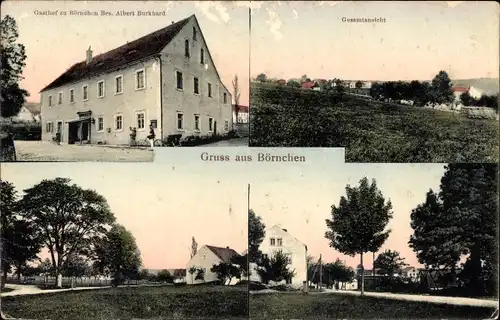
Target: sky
55	43
179	196
417	39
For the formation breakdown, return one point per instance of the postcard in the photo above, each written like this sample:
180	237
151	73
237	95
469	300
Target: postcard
110	81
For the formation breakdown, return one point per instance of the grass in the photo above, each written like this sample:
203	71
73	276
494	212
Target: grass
329	306
168	302
370	131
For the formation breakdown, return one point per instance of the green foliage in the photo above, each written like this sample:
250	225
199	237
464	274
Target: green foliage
13	56
164	276
461	221
225	272
200	274
21	241
68	216
467	99
261	77
369	131
256	233
358	223
332	273
275	268
293	84
117	254
441	88
359	84
76	266
389	263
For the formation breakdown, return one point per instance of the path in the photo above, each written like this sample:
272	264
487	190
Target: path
48	151
407	297
236	142
24	289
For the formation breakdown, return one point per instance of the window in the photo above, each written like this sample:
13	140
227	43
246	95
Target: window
71	95
179	80
100	89
273	242
118	122
180	121
203	257
226	125
196	88
139	80
49	127
50	101
100	124
210	90
186	48
194	33
197	122
119	84
210	124
59	99
279	242
202	56
225	97
85	92
141	120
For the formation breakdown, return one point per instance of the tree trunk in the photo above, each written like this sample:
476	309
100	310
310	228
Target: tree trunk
373	267
59	280
362	276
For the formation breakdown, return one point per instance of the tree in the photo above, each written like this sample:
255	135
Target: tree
389	263
20	240
441	88
236	96
359	84
467	99
256	233
293	84
117	254
68	216
359	221
200	274
191	271
275	268
75	266
242	262
165	276
339	87
261	77
144	274
463	224
225	272
13	58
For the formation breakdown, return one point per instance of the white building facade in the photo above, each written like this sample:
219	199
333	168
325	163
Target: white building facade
205	258
276	239
166	79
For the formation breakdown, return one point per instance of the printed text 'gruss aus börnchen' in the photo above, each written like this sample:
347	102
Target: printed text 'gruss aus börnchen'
259	157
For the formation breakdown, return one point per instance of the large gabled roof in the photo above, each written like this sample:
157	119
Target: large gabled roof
137	50
225	254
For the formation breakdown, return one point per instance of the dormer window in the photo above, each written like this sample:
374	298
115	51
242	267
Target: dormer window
194	33
186	48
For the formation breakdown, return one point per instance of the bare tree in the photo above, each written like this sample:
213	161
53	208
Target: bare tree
236	95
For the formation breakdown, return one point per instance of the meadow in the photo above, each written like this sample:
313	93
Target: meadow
330	306
370	131
165	302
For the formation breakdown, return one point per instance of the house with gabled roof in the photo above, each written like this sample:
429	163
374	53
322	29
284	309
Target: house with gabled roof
166	79
205	258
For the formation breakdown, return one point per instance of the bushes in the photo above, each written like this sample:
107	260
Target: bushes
197	140
24	131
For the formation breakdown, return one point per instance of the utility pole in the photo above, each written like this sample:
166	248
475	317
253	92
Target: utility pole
320	273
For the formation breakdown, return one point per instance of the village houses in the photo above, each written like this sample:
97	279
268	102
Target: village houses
277	238
166	79
204	259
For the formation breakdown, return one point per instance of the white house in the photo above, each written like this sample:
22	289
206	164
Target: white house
277	238
458	91
410	273
166	79
243	114
30	112
205	258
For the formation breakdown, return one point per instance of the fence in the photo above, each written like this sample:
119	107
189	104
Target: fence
41	281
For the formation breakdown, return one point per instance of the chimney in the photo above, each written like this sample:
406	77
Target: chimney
89	55
227	247
173	22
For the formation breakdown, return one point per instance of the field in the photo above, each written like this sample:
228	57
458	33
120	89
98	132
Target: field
329	306
370	131
167	302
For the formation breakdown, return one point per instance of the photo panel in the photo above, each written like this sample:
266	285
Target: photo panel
162	240
373	241
389	81
113	80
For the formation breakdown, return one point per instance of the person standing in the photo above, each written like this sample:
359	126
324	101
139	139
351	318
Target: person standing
151	136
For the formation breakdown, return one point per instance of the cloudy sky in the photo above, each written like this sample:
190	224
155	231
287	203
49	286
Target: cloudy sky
178	196
417	39
55	43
